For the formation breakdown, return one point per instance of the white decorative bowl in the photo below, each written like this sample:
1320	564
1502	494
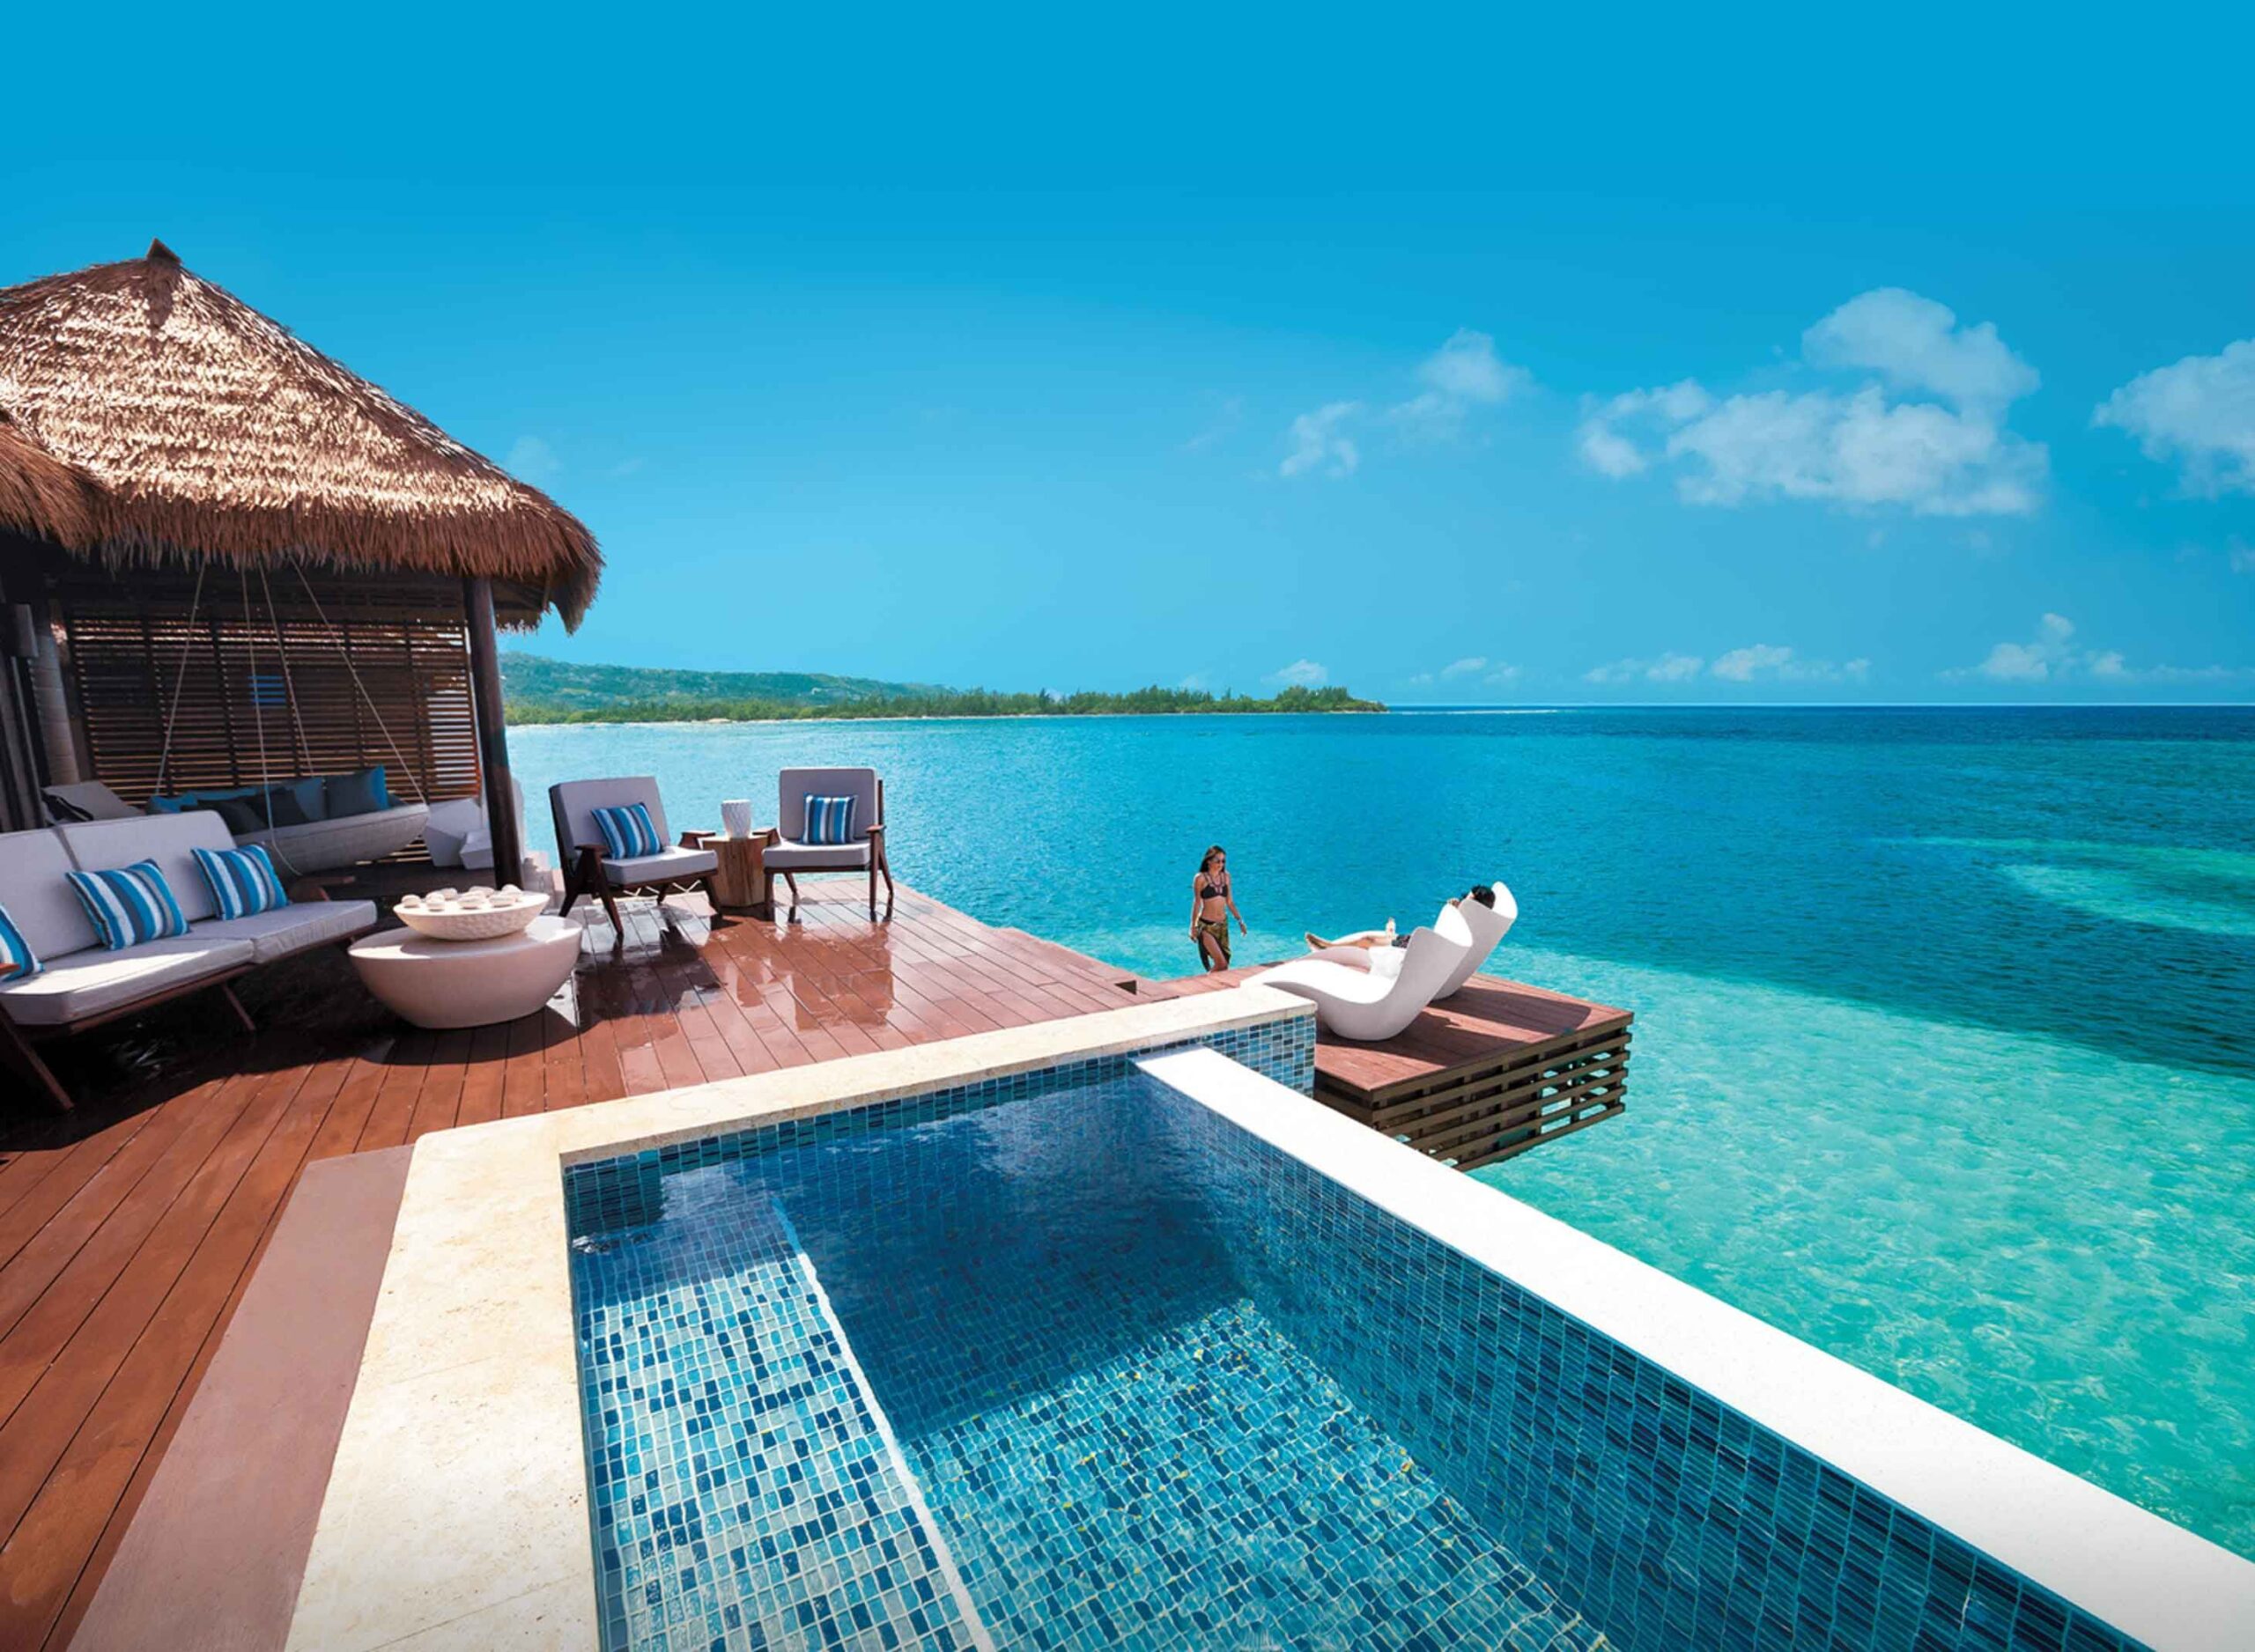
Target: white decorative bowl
448	915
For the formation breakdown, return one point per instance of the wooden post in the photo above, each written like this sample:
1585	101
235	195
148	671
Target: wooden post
492	732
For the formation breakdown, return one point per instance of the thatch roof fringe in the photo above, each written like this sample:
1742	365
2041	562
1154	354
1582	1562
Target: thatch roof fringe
189	425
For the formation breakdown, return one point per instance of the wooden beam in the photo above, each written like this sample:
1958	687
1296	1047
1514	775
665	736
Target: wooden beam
493	731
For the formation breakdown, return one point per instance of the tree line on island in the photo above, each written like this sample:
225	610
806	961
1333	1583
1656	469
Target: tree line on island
542	691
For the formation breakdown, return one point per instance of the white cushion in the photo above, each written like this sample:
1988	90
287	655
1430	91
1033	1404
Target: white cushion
790	856
293	928
663	867
98	845
794	786
93	983
35	889
574	802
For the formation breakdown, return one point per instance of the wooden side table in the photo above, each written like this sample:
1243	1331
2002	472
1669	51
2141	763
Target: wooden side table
741	883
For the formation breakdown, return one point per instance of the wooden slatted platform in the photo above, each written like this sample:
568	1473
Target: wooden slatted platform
129	1230
1499	1069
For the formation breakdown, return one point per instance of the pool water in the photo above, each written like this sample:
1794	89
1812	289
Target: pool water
1090	1366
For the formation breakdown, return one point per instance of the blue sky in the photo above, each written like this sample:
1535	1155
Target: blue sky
1685	359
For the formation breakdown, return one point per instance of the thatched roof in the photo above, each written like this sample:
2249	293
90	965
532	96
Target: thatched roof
147	416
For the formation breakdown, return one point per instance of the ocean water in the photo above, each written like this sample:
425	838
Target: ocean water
1946	1018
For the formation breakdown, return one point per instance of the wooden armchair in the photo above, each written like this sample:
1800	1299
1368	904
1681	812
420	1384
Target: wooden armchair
590	868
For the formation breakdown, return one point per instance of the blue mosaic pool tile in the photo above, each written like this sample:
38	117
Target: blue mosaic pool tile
743	1492
1160	1384
1660	1514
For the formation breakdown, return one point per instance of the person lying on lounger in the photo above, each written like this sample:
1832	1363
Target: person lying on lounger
1371	939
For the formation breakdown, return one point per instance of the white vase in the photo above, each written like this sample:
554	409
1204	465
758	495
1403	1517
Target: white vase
736	818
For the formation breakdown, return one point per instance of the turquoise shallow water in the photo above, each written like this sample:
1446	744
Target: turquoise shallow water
1946	1049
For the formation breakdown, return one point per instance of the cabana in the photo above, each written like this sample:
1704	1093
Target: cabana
226	562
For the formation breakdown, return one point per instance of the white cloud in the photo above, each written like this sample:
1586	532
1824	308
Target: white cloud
2050	653
1422	680
1916	345
1195	683
2243	557
533	461
1770	661
2200	412
1303	673
1466	667
1319	438
2051	656
1854	447
1666	669
1463	373
1500	676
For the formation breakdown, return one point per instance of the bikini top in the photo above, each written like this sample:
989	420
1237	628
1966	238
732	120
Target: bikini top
1209	890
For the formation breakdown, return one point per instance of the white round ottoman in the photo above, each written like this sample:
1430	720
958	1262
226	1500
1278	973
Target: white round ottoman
468	983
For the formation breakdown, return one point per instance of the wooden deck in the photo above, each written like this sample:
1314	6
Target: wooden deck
1499	1069
128	1230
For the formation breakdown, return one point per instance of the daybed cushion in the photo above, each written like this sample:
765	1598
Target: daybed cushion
85	800
170	840
662	867
360	794
295	928
790	856
35	888
88	984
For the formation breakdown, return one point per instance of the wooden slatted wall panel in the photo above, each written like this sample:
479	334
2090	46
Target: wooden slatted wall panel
240	674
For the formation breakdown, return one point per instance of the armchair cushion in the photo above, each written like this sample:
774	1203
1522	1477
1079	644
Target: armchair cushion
573	803
790	856
796	786
96	982
665	867
34	887
170	840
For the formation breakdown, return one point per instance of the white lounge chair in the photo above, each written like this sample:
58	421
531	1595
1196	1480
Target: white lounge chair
1364	1005
1485	924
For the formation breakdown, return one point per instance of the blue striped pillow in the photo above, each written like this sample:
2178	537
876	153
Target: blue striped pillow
129	906
16	950
243	880
627	831
830	819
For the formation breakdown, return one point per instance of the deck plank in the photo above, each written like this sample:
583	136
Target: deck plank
129	1230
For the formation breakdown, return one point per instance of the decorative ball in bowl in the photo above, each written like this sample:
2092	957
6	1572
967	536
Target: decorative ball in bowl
478	914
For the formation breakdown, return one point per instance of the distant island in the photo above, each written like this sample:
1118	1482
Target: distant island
542	691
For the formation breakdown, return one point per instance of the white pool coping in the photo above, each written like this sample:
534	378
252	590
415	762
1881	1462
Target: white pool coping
2152	1579
456	1513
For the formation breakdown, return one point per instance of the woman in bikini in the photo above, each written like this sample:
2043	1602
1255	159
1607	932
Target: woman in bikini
1211	908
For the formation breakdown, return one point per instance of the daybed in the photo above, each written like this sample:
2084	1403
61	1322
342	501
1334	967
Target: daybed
307	843
82	985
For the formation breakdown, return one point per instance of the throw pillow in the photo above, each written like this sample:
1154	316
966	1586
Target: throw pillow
361	793
16	950
830	819
243	880
129	906
628	832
